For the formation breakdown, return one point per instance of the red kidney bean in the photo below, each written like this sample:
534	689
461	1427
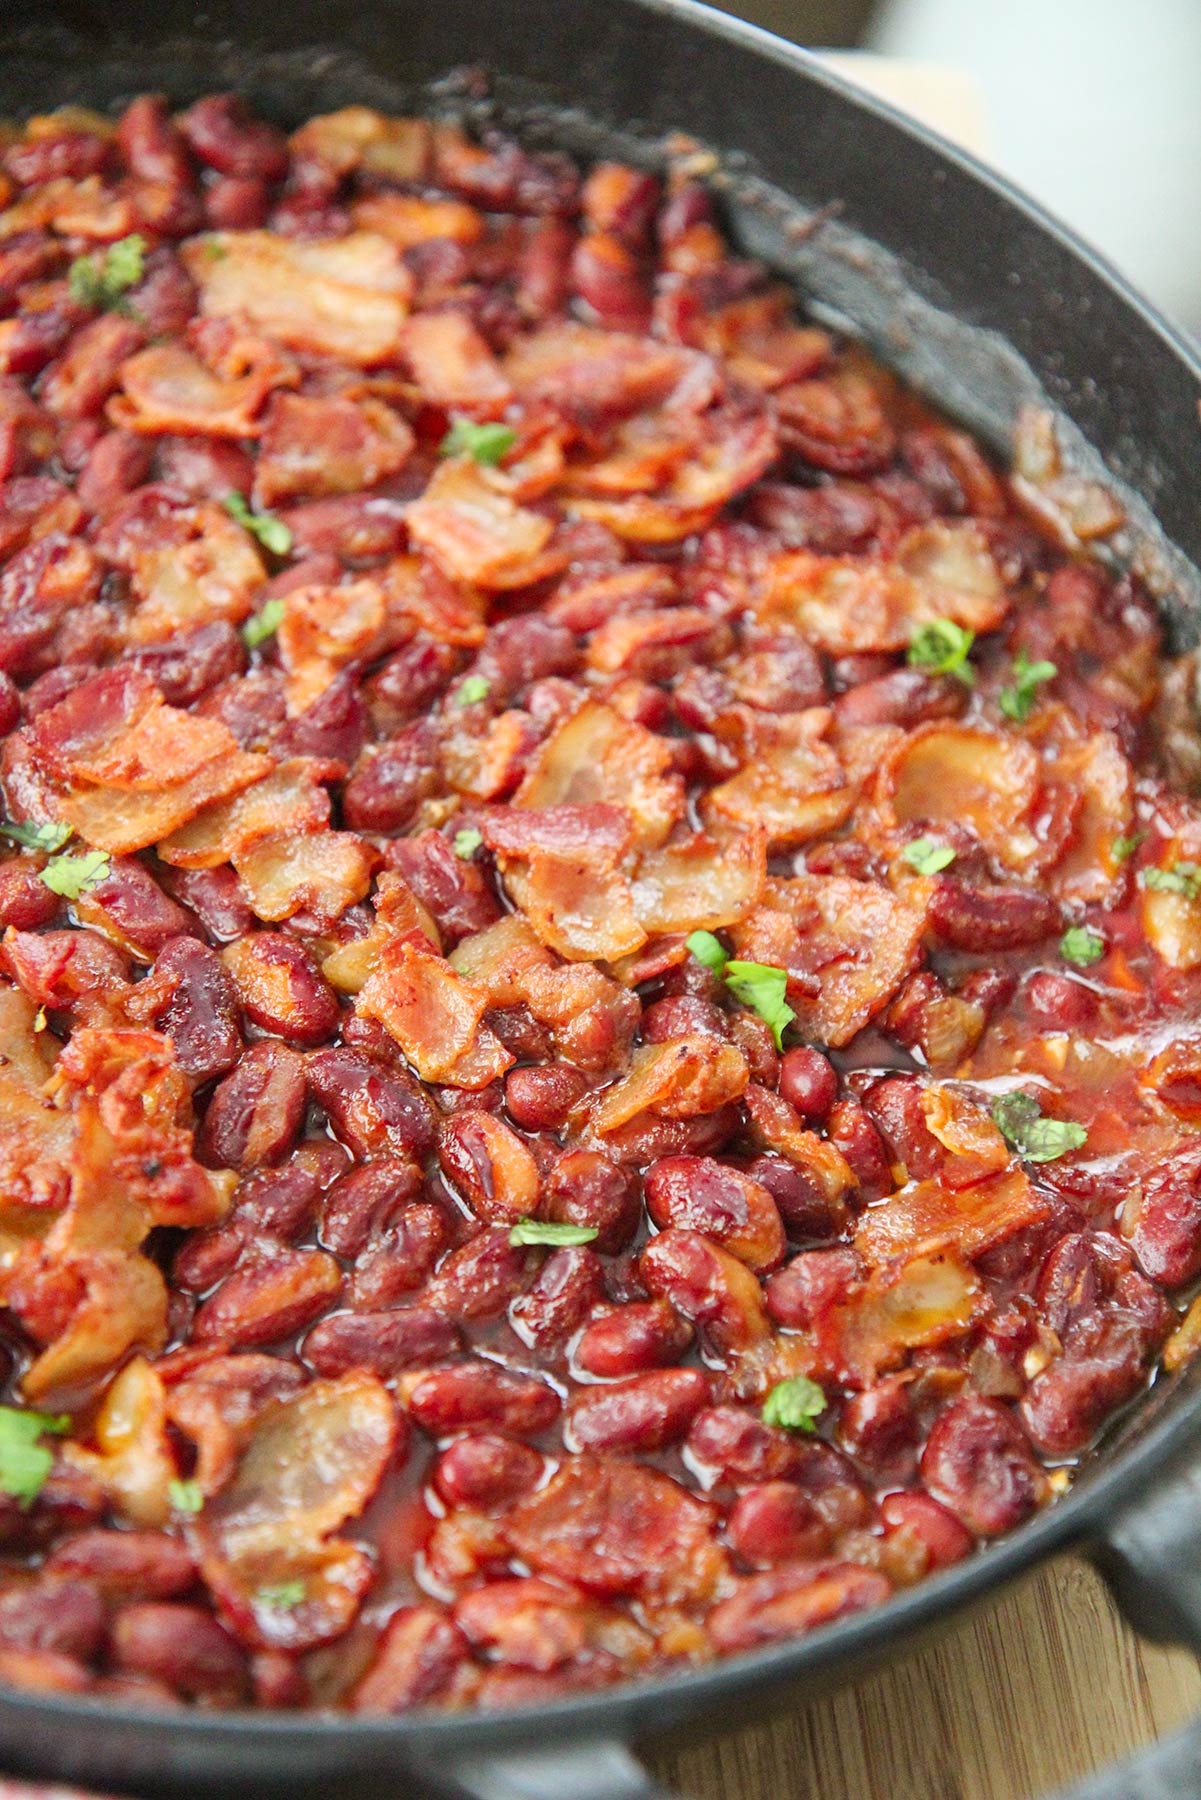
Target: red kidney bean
1105	1364
275	1203
118	462
880	1429
522	650
906	697
735	1443
333	729
129	906
979	1463
409	682
389	783
804	1206
559	1299
895	1107
189	996
486	1472
641	1335
542	1099
281	988
217	898
454	891
724	1204
255	1114
226	135
205	468
25	900
585	1187
122	1563
480	1396
419	1654
352	527
166	297
63	1615
680	1015
1166	1231
851	1131
1059	1002
192	662
645	1414
480	1278
237	203
787	1602
939	1532
365	1199
401	1257
384	1342
775	1523
489	1165
268	1297
182	1646
983	919
375	1112
808	1082
707	1285
67	156
151	144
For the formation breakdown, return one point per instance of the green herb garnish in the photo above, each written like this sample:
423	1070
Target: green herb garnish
761	986
25	1462
263	624
281	1596
943	648
185	1496
102	281
467	842
486	444
1183	878
1123	848
927	857
271	532
1081	946
72	876
474	689
795	1404
538	1231
707	949
1035	1138
37	837
1017	702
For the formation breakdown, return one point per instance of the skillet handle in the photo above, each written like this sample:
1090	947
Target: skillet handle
600	1770
1150	1556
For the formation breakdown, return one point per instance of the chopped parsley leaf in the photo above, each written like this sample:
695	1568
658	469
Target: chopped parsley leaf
1017	702
795	1404
485	444
927	857
943	648
25	1462
1035	1138
72	876
271	532
263	624
540	1231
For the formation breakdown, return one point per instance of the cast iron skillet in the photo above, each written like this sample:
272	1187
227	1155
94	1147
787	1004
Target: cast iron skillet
974	294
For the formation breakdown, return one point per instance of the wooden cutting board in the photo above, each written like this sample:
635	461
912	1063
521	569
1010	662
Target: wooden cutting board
1031	1691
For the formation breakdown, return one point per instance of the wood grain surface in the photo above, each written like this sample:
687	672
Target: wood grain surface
1029	1692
